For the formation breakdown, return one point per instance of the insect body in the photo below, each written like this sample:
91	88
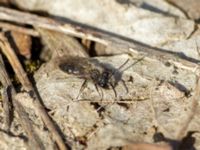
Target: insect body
88	69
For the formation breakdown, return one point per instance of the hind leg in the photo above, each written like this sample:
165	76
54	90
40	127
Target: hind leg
113	88
124	84
100	94
83	86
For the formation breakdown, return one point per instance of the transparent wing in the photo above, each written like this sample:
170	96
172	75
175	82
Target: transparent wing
78	66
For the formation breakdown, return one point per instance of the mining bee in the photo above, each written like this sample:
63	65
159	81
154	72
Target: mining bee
90	69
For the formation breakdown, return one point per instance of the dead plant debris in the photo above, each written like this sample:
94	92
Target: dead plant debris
120	74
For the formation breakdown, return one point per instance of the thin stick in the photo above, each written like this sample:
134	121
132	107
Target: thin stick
23	117
7	109
27	18
22	76
107	101
21	29
17	67
103	37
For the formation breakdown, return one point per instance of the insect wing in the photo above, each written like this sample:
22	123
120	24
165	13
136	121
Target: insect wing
77	66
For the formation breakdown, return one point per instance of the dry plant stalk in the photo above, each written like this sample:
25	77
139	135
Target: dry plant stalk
24	30
78	31
61	44
23	117
6	108
116	41
22	76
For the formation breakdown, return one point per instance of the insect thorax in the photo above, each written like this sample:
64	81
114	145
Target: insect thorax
100	78
95	74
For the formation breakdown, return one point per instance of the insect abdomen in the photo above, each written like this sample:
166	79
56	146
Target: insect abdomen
70	68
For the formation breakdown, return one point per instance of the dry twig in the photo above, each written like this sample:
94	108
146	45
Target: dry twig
23	117
103	37
22	76
124	101
24	30
7	109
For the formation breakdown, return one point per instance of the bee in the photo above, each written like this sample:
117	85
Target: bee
90	69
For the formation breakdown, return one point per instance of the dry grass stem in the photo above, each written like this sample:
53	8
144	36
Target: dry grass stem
23	117
12	27
22	76
75	29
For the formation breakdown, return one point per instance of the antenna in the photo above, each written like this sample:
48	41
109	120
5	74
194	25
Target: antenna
133	63
119	68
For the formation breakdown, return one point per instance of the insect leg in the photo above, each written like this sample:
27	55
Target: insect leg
113	88
125	86
100	94
82	88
